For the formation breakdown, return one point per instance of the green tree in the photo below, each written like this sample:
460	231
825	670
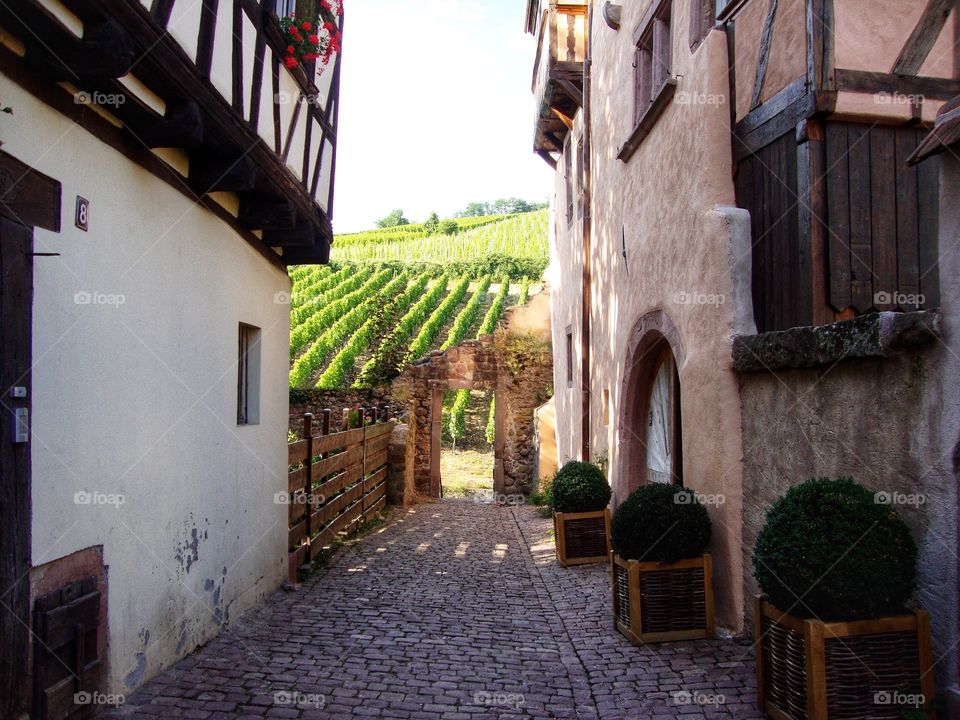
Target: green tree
432	223
475	209
448	227
393	220
509	206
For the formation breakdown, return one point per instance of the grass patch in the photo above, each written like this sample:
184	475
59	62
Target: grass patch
465	473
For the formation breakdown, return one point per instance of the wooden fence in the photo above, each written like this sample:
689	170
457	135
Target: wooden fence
336	480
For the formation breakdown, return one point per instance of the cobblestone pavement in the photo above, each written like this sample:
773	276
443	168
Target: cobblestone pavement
453	610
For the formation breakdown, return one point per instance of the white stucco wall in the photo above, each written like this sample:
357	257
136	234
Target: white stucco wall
139	399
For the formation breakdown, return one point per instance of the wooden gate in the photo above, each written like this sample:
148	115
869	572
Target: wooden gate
336	481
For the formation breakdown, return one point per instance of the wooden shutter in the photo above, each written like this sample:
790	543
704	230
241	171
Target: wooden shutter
66	664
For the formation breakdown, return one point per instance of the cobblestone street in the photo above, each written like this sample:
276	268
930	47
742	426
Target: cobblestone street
452	610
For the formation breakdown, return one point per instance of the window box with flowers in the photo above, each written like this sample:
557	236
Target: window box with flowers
312	39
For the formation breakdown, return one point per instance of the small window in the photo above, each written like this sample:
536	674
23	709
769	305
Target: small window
606	406
286	8
703	18
653	60
248	376
569	357
581	168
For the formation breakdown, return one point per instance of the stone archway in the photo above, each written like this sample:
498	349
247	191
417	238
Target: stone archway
653	337
480	365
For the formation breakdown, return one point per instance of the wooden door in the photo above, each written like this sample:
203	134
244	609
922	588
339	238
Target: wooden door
16	302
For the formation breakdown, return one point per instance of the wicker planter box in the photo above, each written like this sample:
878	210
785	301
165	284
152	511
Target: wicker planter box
658	602
838	670
582	537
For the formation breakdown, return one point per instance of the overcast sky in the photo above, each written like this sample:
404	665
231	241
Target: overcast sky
436	109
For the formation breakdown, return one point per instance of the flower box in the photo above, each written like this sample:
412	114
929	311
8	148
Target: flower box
660	602
877	668
582	537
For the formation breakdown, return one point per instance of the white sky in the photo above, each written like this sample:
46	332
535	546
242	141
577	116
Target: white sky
436	109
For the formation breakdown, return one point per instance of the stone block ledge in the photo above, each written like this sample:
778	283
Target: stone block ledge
875	335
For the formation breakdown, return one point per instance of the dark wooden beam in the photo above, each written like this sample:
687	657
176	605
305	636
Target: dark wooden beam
547	158
27	196
16	307
923	37
161	10
864	81
237	64
554	140
319	254
256	88
182	127
778	116
210	172
205	35
300	235
105	51
764	57
571	90
266	213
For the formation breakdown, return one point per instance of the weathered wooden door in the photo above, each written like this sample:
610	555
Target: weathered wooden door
16	302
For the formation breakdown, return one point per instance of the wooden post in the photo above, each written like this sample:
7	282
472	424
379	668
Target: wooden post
345	419
308	487
436	428
363	464
816	670
758	650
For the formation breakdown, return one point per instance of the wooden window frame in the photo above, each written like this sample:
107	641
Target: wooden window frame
653	81
248	375
703	19
581	166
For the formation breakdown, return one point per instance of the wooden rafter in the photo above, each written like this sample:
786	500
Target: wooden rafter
764	55
923	37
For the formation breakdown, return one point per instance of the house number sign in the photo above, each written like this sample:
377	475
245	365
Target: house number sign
83	213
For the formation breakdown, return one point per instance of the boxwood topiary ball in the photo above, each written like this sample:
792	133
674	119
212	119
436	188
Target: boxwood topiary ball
660	522
580	487
830	550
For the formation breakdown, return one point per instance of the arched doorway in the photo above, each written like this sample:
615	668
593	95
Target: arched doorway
651	427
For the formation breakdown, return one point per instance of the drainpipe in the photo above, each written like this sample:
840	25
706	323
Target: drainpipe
587	227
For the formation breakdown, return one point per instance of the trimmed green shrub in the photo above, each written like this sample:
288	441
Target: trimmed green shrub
580	487
660	522
830	550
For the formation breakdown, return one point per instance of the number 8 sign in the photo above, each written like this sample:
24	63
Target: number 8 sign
82	220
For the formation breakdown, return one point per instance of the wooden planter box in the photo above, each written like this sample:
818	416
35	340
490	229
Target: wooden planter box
658	602
834	670
582	537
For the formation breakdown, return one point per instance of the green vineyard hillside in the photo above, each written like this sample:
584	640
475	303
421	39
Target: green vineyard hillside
390	296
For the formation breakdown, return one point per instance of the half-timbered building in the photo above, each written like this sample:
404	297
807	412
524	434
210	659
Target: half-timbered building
162	163
753	283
